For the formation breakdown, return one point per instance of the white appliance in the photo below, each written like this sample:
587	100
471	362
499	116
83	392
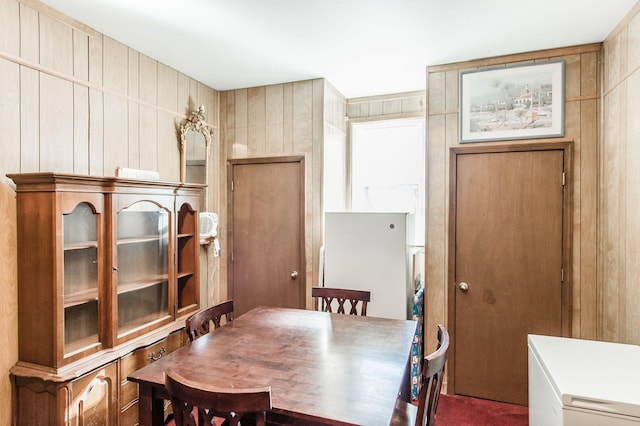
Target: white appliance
583	382
208	225
209	231
371	251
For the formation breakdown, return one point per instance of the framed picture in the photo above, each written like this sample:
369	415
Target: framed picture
519	102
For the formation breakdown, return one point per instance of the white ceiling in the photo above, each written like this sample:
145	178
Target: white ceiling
362	47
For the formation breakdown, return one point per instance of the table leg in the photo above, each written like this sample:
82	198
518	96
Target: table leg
150	409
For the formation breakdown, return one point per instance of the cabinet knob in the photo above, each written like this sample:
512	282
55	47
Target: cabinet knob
153	357
294	275
464	287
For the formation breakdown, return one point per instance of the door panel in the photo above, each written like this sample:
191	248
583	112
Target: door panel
509	252
267	239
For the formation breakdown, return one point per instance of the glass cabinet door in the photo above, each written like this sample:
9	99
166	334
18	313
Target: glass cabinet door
142	266
81	266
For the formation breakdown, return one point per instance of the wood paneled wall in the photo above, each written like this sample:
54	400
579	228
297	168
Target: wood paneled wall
282	119
9	298
387	107
75	101
582	104
619	201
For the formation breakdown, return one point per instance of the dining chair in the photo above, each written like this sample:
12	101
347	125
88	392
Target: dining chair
341	295
195	403
199	323
432	375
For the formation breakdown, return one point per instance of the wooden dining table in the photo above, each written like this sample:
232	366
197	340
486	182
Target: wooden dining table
323	368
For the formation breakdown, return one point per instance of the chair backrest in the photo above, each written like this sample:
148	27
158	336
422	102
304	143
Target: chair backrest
190	399
199	323
432	375
330	295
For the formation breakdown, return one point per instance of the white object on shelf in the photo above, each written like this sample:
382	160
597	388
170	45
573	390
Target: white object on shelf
125	172
583	382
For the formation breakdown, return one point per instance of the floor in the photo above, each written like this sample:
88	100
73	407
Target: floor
461	410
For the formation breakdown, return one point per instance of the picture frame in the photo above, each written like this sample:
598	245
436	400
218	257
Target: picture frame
516	102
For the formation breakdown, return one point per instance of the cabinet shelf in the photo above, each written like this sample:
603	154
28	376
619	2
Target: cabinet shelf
81	344
80	297
142	322
140	239
187	309
185	274
136	285
187	235
81	246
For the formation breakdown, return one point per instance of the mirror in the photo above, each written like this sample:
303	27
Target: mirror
195	140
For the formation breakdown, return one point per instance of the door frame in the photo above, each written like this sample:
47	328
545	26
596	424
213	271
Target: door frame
300	159
566	145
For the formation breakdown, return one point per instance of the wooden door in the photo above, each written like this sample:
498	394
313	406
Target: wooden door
267	239
508	211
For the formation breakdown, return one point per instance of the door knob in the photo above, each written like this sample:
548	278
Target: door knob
294	275
464	287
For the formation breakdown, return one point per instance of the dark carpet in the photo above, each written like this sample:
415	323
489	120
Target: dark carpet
458	410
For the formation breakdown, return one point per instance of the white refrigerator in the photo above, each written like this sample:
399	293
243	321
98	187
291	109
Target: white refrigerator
583	382
372	251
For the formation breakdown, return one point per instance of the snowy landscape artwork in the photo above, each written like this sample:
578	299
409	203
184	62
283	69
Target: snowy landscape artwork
519	102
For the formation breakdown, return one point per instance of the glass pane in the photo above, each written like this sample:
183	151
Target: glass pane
143	265
80	278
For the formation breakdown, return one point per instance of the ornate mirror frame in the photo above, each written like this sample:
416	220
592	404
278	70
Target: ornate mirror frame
195	123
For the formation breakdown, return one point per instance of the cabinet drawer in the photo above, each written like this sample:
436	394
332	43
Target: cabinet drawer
129	415
141	357
128	393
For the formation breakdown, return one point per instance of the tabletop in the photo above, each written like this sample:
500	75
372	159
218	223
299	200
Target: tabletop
322	367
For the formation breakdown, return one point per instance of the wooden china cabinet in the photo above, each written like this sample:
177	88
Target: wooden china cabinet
108	269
